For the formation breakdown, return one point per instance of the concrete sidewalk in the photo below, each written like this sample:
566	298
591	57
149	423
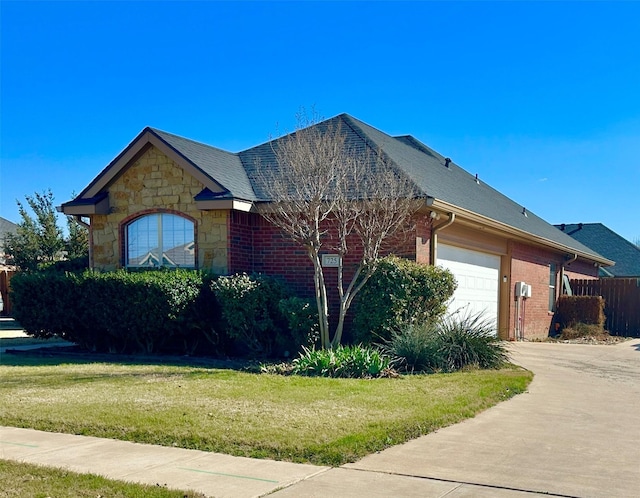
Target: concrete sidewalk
213	474
571	435
218	475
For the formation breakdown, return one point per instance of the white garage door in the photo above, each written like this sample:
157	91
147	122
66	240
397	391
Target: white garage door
478	275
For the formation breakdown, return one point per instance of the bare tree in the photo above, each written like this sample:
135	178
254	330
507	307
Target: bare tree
326	193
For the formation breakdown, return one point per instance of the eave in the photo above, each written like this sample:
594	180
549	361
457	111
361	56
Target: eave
98	204
476	220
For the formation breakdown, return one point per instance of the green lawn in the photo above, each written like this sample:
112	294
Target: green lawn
24	480
300	419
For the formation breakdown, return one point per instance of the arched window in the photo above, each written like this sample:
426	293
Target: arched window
160	240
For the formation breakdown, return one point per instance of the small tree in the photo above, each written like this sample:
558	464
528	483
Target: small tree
39	240
77	242
326	192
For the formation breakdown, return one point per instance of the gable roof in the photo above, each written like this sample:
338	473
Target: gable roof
229	177
608	243
221	172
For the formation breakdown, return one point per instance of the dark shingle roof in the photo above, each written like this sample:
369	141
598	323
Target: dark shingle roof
608	243
225	168
432	177
6	227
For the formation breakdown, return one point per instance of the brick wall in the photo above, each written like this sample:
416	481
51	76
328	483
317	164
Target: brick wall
530	264
255	245
240	239
154	183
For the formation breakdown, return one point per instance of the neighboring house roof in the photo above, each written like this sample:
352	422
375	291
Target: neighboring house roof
182	255
229	178
608	243
6	227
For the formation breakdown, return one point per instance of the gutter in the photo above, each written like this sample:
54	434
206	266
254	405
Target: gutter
504	228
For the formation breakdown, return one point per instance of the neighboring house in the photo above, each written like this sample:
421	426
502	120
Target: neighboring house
608	243
6	227
164	191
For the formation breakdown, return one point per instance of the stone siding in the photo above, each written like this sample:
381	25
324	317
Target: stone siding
154	183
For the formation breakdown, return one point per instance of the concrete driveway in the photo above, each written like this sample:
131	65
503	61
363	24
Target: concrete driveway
574	434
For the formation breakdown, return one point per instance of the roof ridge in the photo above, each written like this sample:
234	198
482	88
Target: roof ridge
379	150
157	132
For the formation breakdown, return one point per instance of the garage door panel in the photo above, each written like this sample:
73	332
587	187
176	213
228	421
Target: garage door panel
477	275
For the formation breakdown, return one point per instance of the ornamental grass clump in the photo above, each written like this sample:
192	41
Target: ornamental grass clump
413	348
449	344
343	362
469	340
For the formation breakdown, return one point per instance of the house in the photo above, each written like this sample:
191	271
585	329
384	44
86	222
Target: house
6	227
605	241
163	191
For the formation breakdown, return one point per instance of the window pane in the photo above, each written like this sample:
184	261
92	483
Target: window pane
177	241
161	240
142	242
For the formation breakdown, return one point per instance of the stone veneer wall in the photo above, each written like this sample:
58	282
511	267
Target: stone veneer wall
155	182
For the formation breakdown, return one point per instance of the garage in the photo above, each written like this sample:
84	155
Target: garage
478	275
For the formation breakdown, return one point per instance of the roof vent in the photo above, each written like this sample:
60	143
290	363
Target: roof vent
447	161
562	227
477	180
524	211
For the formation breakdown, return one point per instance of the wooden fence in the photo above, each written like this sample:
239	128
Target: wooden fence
622	302
5	278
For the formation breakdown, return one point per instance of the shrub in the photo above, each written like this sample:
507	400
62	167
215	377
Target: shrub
579	309
177	311
343	361
451	343
47	304
118	312
251	316
301	317
400	292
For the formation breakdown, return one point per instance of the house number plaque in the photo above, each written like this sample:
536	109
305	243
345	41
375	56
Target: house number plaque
330	260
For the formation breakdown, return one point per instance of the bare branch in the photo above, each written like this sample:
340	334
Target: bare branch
324	189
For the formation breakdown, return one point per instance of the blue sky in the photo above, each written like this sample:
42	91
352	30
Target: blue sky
541	99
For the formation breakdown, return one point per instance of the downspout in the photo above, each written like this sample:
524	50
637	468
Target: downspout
86	225
574	258
433	246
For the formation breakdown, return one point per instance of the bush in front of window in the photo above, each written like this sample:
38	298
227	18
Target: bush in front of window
119	312
165	311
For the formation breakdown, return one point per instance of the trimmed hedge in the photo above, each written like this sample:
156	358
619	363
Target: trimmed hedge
118	312
572	310
178	311
400	292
